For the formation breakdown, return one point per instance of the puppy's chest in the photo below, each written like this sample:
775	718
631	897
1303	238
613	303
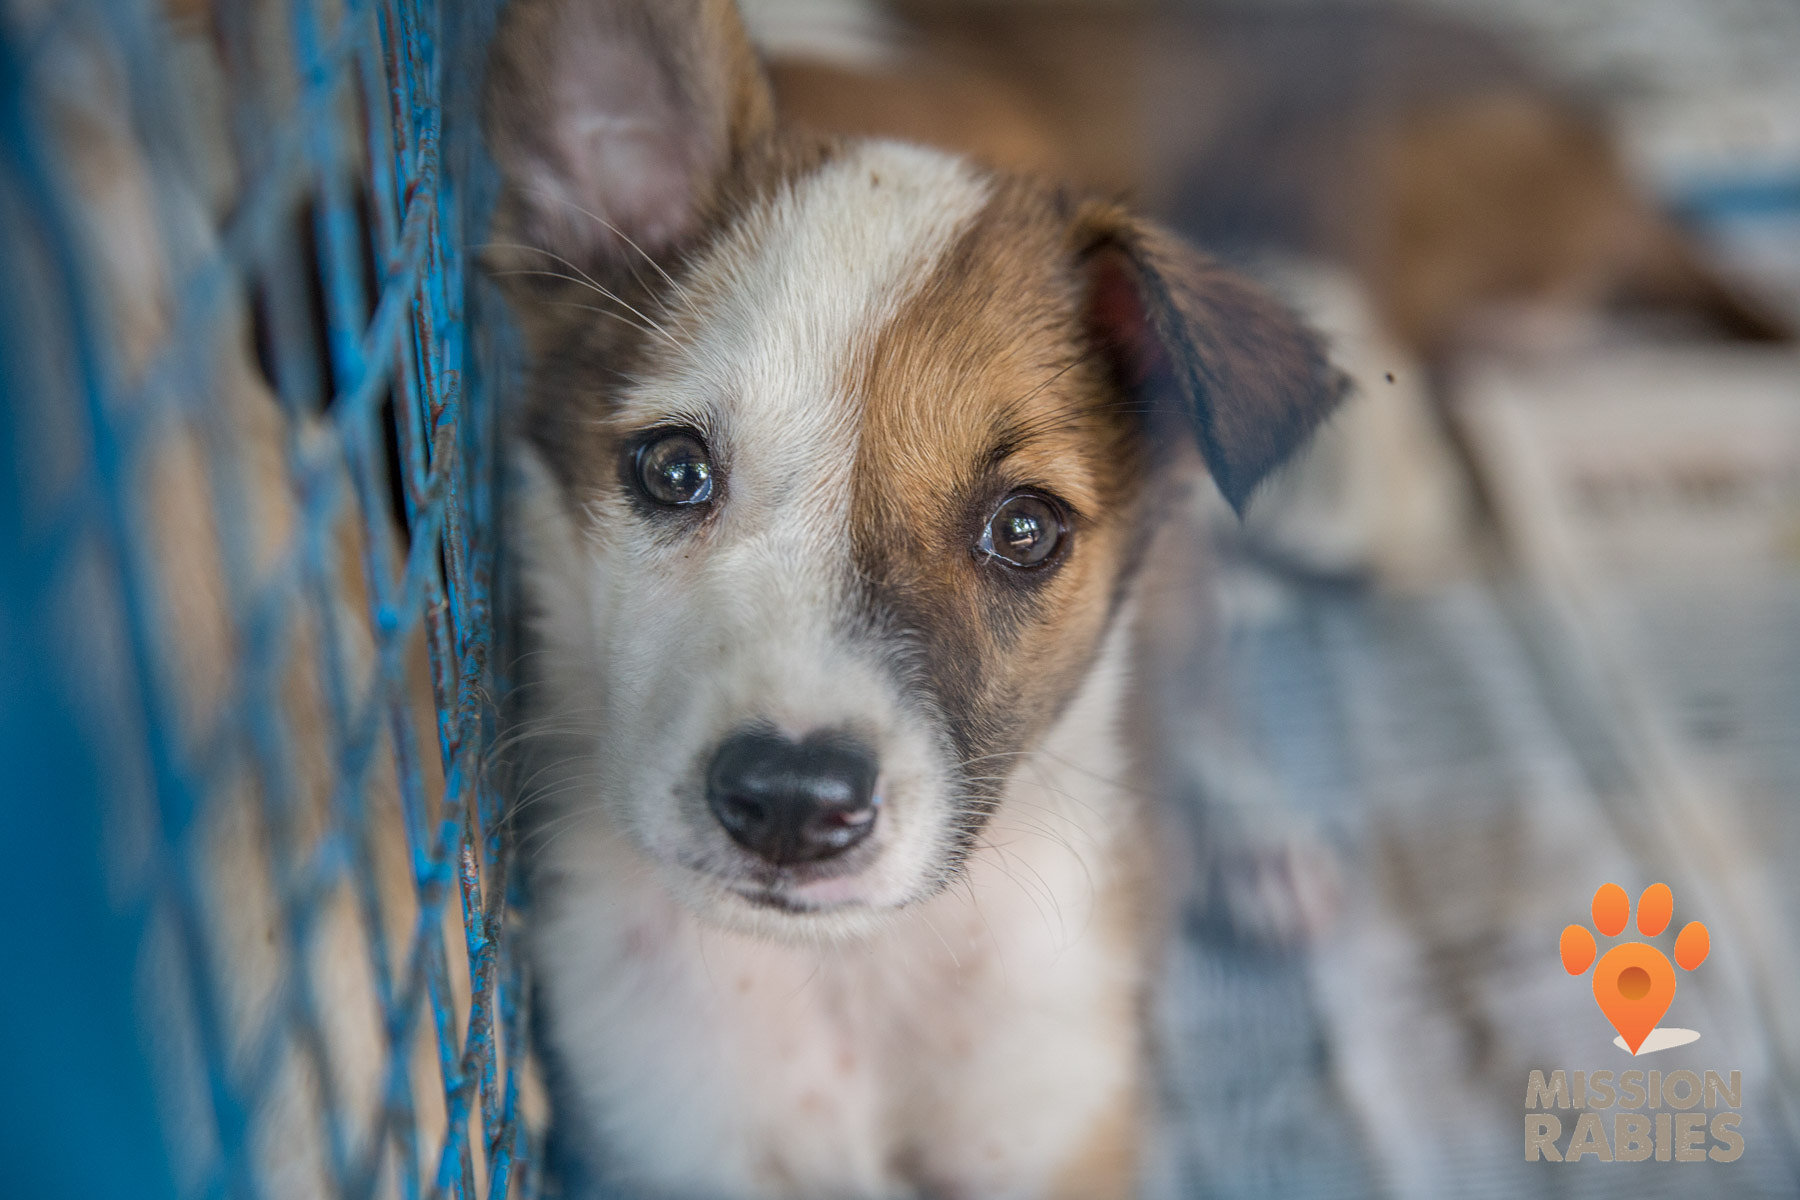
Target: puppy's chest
734	1065
712	1063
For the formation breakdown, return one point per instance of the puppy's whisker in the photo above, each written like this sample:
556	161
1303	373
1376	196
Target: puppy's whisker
528	791
932	925
557	826
592	284
999	858
619	317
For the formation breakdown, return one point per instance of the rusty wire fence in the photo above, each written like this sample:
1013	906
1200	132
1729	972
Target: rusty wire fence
248	498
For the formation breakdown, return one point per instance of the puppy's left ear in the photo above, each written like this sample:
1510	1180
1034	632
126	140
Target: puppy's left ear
1188	335
616	122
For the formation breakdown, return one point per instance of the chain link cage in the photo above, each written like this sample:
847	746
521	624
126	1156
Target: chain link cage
259	873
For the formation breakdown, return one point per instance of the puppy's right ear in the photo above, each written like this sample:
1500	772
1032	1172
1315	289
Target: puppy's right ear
614	123
1188	336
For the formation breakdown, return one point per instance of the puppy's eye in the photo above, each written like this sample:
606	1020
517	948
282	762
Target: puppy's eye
1024	531
674	469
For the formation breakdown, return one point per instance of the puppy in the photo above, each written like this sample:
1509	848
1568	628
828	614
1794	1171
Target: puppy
840	465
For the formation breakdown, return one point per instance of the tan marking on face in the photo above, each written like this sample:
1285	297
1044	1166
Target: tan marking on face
984	384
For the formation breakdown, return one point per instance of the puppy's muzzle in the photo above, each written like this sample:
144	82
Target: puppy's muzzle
793	802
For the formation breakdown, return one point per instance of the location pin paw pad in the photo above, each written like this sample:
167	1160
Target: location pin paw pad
1634	982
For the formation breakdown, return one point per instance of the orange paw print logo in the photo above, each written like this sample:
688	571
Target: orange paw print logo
1634	981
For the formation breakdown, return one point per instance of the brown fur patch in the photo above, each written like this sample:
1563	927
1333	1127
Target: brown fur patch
984	384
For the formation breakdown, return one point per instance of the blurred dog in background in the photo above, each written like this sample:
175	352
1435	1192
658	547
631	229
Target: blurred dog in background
1455	181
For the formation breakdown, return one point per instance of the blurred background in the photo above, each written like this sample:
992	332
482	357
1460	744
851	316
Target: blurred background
1525	620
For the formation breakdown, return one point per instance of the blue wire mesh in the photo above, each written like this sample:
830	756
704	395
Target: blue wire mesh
248	502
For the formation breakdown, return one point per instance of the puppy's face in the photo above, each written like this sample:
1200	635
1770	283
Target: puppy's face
841	453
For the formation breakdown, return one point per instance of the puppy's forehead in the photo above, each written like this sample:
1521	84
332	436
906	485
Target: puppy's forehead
1022	388
798	289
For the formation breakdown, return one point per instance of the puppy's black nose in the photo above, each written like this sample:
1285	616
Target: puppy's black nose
793	802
